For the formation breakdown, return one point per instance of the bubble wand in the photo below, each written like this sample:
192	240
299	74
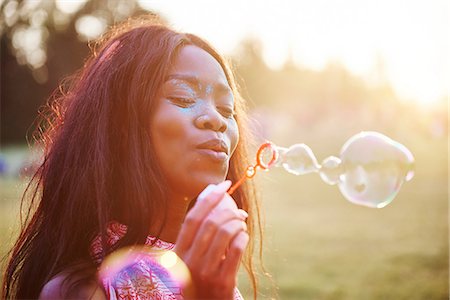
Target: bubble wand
250	172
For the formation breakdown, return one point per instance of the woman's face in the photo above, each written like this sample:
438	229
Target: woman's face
193	129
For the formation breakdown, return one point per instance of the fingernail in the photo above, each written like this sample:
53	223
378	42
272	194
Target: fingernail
243	214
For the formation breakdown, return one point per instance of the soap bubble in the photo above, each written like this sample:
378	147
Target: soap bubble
370	170
299	160
144	267
331	170
375	167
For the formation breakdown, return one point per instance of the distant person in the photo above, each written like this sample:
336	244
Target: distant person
141	150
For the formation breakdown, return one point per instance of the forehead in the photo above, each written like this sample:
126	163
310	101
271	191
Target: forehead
195	62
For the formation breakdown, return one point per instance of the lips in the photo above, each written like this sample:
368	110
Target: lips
215	150
215	145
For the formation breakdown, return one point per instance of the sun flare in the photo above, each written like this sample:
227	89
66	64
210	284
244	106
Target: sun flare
409	40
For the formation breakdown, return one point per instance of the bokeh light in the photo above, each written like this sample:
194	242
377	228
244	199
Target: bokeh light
154	267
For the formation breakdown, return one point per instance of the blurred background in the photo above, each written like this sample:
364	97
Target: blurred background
314	72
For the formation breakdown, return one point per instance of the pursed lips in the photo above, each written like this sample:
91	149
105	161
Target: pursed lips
217	148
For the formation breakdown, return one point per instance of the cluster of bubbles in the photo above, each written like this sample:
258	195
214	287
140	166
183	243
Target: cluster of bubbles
369	171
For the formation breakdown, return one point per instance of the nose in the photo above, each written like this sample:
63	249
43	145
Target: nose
211	119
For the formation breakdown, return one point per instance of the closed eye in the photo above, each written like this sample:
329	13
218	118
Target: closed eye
226	111
182	101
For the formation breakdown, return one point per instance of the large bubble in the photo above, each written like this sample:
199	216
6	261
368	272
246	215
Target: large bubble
374	169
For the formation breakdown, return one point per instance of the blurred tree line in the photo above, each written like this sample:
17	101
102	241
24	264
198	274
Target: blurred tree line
42	42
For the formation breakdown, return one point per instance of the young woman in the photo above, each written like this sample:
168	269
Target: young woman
138	152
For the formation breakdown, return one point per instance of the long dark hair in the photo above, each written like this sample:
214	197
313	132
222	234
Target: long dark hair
98	162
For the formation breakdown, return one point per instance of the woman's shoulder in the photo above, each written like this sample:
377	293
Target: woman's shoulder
59	288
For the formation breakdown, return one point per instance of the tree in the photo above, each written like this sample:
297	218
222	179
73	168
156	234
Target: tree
41	43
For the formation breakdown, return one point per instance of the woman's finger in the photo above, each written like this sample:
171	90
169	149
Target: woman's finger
217	223
206	201
230	265
218	247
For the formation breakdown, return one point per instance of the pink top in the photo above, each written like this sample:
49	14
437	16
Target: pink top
140	276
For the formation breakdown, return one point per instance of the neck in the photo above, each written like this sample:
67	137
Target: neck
177	207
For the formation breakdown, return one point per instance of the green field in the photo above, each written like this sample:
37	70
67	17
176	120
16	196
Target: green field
319	246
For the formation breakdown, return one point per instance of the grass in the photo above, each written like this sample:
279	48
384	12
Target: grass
319	246
10	193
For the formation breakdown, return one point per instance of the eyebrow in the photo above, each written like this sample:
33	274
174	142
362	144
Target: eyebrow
188	78
223	88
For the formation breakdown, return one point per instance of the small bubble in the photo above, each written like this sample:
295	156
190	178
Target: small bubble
331	170
299	160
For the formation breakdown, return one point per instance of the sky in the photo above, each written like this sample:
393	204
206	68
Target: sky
410	40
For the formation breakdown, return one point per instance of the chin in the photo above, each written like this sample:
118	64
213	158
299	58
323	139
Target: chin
196	185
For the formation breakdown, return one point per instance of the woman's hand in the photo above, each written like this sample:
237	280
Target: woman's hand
211	242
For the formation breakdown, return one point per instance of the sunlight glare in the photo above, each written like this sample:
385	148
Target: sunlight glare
90	27
70	7
409	38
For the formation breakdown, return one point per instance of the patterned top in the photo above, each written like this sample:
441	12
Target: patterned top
137	272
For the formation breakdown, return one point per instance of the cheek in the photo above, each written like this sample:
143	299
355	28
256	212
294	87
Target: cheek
233	135
168	129
169	133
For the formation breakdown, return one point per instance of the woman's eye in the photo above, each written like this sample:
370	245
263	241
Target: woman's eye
227	112
182	101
